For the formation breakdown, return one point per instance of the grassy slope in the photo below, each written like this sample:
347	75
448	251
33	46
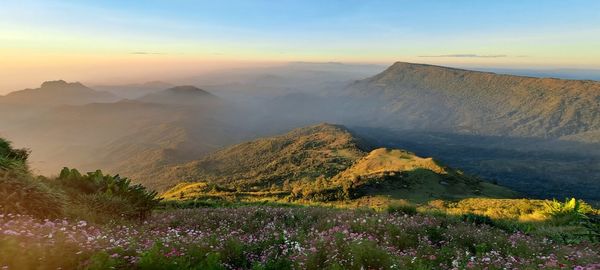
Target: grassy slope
324	157
302	153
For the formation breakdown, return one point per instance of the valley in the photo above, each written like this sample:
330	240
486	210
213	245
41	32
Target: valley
430	149
299	135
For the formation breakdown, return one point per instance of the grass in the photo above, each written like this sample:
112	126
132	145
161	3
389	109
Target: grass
208	226
274	237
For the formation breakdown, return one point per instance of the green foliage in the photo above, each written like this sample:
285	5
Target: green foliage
22	193
106	194
102	260
593	227
402	208
161	257
93	196
477	219
570	212
12	159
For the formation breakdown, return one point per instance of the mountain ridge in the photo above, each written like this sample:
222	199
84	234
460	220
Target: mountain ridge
450	99
183	95
59	92
325	162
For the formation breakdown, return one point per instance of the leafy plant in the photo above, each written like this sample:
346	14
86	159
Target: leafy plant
102	192
24	194
570	212
19	191
403	208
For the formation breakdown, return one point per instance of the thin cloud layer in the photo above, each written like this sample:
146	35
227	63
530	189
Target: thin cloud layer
467	55
142	53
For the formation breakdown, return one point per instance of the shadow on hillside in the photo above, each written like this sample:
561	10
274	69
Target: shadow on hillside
536	167
423	185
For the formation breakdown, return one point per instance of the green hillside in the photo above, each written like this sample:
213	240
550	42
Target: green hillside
305	153
323	163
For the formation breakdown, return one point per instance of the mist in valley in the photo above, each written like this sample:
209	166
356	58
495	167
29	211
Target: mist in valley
141	130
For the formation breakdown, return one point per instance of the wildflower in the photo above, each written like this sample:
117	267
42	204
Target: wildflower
11	232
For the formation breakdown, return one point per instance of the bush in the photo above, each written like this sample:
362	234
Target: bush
572	211
12	159
477	219
106	194
403	208
23	194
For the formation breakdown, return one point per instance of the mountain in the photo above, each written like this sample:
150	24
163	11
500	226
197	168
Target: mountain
259	83
301	153
54	93
426	97
134	91
329	161
129	137
182	95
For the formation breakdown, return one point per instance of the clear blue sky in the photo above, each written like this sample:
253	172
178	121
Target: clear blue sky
485	33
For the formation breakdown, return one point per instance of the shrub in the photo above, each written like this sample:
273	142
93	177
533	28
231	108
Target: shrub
570	212
106	194
21	193
477	219
12	159
403	208
367	255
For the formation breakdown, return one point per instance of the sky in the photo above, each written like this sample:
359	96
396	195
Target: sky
127	41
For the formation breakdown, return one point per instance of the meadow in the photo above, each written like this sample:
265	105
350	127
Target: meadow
270	237
100	221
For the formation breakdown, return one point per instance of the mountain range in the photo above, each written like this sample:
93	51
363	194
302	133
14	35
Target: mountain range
59	92
511	129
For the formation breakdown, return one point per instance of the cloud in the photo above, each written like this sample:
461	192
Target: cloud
468	55
143	53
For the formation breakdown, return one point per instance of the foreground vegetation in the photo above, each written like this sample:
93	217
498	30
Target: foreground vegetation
93	196
264	237
98	221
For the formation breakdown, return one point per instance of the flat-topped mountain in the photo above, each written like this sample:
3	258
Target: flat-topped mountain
58	93
418	96
327	161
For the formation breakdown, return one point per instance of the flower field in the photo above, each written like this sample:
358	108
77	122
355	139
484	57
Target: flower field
264	237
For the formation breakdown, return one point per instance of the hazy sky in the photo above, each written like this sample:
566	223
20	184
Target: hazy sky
123	41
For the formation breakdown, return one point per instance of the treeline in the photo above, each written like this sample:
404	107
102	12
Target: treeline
93	196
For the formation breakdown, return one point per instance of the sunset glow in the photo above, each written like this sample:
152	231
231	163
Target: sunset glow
114	41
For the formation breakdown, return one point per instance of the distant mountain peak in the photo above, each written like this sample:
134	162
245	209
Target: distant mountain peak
59	92
61	83
187	89
183	95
